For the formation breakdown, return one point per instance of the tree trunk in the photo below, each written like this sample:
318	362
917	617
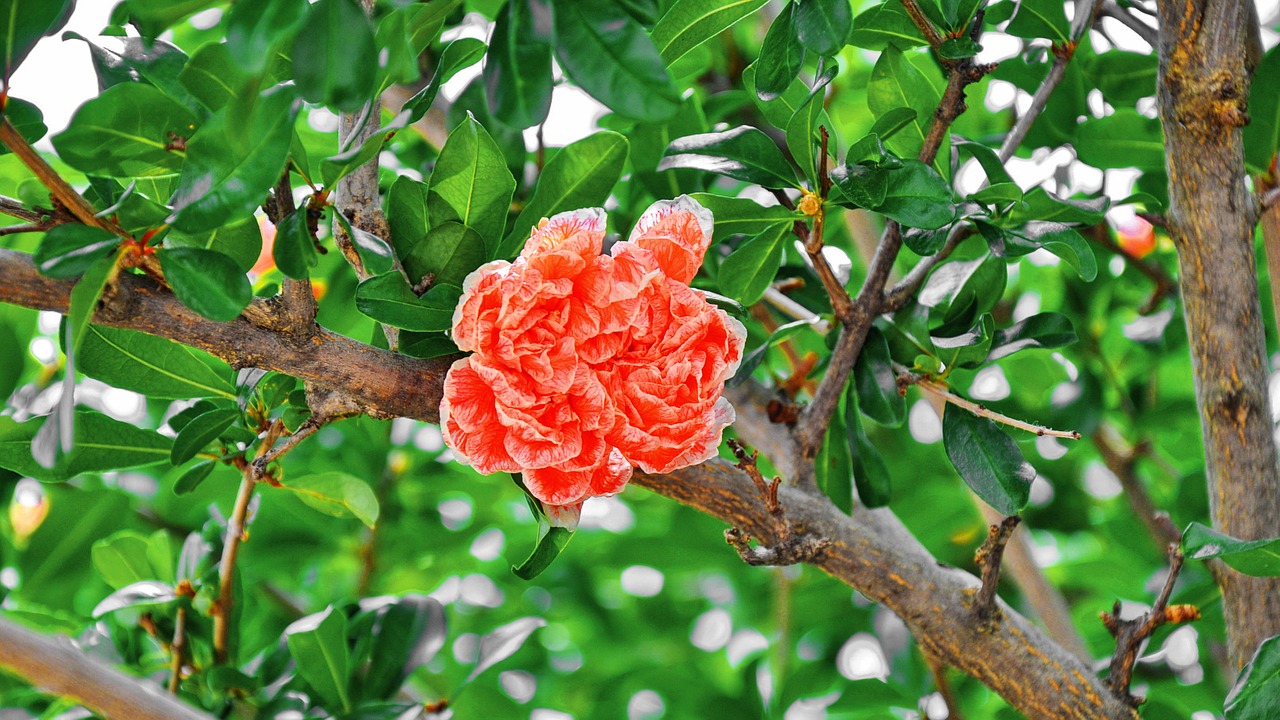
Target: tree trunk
1207	53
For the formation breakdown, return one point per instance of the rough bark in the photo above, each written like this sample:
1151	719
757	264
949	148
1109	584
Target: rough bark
1206	54
55	665
871	550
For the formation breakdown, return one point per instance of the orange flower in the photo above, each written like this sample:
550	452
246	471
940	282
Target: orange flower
585	365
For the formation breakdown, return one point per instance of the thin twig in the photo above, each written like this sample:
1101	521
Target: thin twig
789	547
178	649
945	393
1130	634
15	208
988	559
61	192
226	568
921	21
841	303
1146	32
939	670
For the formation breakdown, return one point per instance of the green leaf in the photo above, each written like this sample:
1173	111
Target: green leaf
334	168
743	153
457	55
318	644
885	25
335	57
27	120
1262	134
1057	238
294	249
824	25
503	642
450	252
338	494
1046	330
1123	139
471	183
232	161
200	431
407	634
152	16
126	132
917	197
967	349
67	250
870	473
689	23
1256	694
101	443
888	124
989	160
606	53
896	83
24	23
803	139
781	56
142	593
581	175
752	360
1040	19
863	186
407	214
833	466
375	253
388	299
1259	558
959	48
193	476
256	29
965	289
206	281
517	69
152	365
1126	77
1039	204
988	460
749	270
743	216
876	384
551	541
121	559
85	296
215	79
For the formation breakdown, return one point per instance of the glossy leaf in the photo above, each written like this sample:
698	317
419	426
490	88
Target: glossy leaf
318	644
407	633
338	494
517	68
388	299
1040	19
896	83
581	175
67	250
743	216
127	131
1121	140
151	365
335	56
24	23
193	476
605	52
294	248
871	476
551	542
1057	238
833	466
257	28
876	383
1045	330
334	168
85	296
749	270
781	55
407	214
863	186
200	431
967	349
803	136
824	25
917	197
689	23
457	55
376	255
1126	77
153	16
449	253
884	25
743	153
145	592
471	184
27	120
503	642
232	162
121	559
1262	134
1256	694
1260	558
988	460
101	443
206	281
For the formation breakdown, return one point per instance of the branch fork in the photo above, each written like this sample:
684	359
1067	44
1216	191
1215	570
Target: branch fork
988	558
790	547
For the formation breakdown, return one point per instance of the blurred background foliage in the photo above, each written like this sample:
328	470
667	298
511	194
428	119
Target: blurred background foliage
647	612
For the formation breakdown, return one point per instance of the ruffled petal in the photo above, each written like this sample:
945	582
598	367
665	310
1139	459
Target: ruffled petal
678	233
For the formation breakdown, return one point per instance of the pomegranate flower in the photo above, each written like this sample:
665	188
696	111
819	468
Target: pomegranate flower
585	365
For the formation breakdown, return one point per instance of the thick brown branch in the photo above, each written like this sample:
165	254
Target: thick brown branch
55	665
873	552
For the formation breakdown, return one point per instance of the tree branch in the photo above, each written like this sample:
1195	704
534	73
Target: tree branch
988	559
55	665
